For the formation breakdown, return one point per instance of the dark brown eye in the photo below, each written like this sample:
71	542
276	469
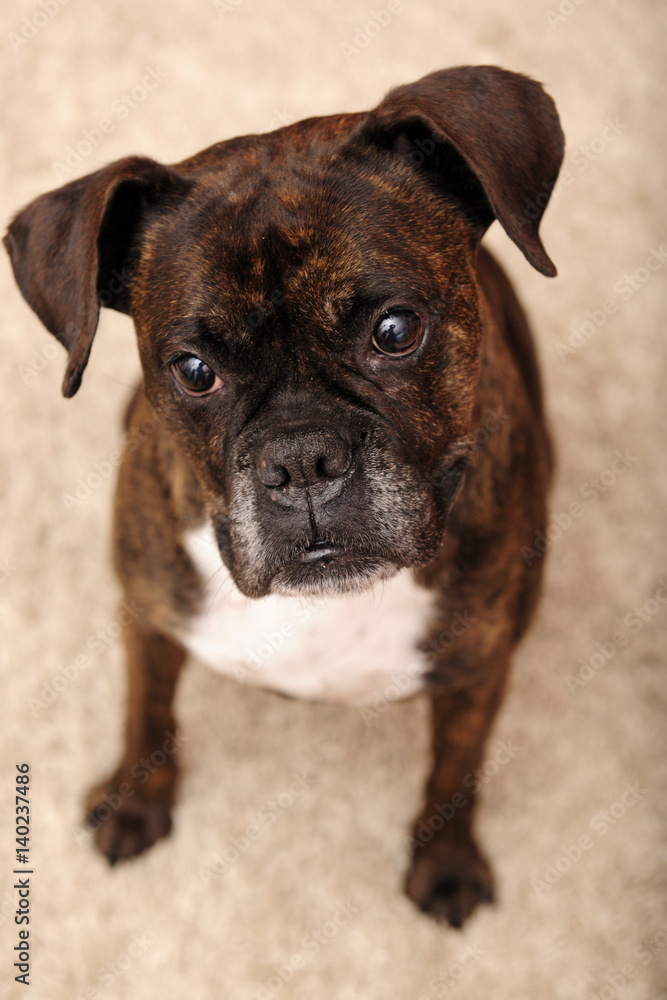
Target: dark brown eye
398	333
194	375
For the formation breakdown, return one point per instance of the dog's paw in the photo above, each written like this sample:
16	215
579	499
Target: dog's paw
125	825
448	882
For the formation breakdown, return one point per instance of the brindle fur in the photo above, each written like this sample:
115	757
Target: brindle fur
272	253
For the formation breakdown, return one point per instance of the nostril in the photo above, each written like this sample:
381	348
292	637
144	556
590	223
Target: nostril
335	461
328	468
271	474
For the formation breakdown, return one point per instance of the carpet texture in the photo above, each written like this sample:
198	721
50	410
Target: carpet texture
574	816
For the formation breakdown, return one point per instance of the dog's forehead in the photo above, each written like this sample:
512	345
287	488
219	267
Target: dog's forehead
285	231
313	231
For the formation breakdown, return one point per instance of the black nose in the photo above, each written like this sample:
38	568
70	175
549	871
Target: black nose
313	460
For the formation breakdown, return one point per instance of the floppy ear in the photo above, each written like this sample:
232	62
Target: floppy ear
490	137
66	245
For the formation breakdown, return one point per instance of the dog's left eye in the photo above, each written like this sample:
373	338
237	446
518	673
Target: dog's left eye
194	375
398	333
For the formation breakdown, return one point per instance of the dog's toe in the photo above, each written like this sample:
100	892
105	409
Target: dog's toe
129	828
448	882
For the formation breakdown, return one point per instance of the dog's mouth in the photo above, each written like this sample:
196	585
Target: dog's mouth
321	552
326	566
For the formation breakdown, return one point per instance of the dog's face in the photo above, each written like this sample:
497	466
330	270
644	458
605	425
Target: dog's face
317	362
307	314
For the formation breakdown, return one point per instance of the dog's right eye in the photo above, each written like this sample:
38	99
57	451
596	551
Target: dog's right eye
398	333
194	376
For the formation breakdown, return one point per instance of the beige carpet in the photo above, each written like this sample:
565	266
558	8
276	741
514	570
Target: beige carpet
312	907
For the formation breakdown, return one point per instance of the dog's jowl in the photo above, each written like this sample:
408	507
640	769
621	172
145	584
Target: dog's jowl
350	449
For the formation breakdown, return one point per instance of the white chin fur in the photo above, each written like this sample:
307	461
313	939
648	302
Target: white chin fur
343	645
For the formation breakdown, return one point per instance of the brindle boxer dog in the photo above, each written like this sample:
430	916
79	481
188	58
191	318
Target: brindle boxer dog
322	340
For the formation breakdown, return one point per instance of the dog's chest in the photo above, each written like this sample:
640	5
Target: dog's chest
350	649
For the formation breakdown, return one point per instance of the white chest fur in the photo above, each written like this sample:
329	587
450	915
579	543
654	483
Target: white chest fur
347	649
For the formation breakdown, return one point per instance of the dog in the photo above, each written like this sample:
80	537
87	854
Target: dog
346	431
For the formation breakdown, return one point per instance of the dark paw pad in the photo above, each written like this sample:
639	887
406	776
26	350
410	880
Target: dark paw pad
448	882
125	826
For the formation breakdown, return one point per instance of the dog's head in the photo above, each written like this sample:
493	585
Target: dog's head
306	309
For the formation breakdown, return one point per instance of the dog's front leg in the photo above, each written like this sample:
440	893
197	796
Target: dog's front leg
449	876
131	810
